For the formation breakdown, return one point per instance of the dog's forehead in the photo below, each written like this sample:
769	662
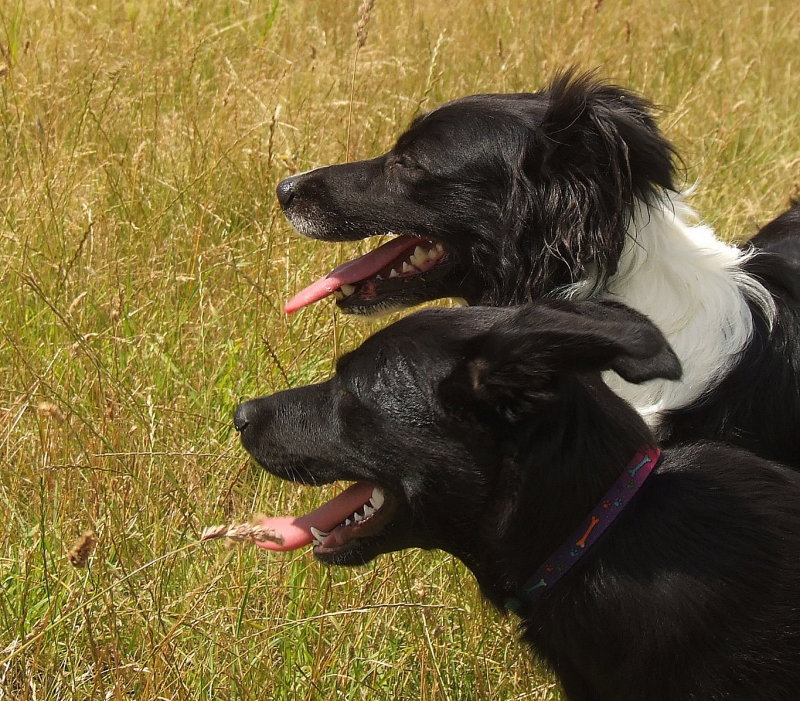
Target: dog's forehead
476	127
443	325
478	115
424	338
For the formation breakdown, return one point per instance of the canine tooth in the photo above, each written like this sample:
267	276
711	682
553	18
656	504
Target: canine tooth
420	255
319	535
394	273
377	498
348	289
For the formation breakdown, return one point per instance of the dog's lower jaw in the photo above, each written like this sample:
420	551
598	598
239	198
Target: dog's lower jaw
361	551
448	284
356	555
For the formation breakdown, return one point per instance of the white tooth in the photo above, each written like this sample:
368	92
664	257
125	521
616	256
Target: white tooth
407	268
438	248
347	522
319	535
420	256
357	517
394	273
338	294
433	254
379	277
377	498
368	511
348	289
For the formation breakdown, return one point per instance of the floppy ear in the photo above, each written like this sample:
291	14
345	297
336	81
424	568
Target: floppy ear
592	128
519	360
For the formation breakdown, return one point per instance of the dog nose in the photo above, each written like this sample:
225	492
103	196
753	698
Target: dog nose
240	417
286	191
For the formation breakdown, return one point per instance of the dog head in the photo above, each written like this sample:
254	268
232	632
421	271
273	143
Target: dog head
428	416
499	199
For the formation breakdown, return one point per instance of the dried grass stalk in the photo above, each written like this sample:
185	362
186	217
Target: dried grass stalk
238	533
80	552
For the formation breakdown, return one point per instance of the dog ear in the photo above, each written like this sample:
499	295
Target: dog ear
591	127
587	159
518	361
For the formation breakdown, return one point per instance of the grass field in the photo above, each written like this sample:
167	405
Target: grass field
143	263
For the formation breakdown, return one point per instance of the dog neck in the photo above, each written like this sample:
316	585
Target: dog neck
692	286
582	539
552	475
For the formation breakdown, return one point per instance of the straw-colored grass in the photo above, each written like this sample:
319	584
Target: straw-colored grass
143	262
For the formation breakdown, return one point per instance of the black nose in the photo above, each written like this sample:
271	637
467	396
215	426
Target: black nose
240	418
286	191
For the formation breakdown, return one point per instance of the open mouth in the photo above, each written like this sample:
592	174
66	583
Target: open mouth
360	511
394	269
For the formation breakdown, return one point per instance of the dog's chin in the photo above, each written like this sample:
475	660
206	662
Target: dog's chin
357	552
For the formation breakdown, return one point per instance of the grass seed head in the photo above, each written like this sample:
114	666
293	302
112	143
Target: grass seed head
80	552
48	410
239	533
364	14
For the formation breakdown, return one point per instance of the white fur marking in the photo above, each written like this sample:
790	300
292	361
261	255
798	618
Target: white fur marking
691	285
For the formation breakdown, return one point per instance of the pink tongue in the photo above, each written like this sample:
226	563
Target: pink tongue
352	271
296	530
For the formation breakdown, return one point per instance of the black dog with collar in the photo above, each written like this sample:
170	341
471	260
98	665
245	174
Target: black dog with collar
489	433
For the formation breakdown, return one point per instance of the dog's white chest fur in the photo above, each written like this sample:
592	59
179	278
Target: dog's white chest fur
687	281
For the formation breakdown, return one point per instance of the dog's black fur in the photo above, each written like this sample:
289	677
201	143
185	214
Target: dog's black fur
493	435
756	405
780	236
528	192
532	193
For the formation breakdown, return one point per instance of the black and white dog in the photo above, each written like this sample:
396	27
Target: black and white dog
569	193
490	434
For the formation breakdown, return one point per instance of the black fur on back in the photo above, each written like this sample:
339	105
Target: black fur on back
782	235
757	404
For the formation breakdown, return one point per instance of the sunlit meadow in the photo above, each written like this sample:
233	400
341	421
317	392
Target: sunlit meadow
143	263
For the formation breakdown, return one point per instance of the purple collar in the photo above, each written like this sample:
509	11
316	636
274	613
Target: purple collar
593	526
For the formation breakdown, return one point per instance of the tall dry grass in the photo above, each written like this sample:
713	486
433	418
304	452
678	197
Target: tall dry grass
143	264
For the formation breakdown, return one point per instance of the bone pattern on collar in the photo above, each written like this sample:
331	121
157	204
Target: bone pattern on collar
588	532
